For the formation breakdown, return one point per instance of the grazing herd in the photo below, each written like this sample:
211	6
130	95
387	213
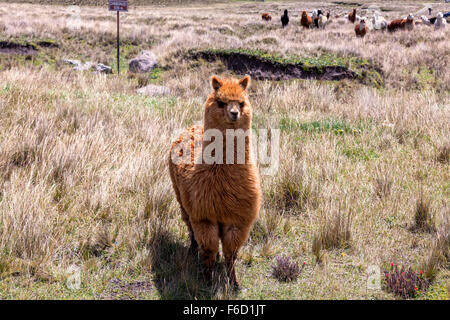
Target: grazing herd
319	20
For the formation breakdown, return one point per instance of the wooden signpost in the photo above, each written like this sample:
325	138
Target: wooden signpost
118	5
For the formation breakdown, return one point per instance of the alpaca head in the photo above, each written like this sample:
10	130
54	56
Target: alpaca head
440	16
410	18
354	11
228	106
328	15
362	24
285	12
304	14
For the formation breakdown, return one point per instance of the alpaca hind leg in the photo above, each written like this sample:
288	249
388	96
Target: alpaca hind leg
207	236
233	238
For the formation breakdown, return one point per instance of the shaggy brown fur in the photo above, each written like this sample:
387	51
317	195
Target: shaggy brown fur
306	20
401	24
352	16
266	16
218	201
361	29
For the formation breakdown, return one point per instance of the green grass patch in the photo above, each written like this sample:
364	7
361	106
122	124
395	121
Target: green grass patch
335	126
360	153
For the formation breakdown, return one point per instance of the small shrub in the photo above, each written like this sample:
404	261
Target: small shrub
405	283
286	270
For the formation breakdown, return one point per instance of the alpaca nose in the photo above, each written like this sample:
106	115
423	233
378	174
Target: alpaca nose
234	115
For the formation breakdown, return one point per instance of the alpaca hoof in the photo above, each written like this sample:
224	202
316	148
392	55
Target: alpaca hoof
234	285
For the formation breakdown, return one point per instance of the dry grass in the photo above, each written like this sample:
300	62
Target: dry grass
83	174
439	255
423	216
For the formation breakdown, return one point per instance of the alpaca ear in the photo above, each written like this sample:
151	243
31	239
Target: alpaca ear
216	83
245	82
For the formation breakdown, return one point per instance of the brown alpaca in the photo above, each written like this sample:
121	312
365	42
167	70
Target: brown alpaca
401	24
219	202
352	16
361	29
266	16
306	20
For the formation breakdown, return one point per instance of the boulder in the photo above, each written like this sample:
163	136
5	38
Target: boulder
154	90
78	65
86	66
143	63
103	68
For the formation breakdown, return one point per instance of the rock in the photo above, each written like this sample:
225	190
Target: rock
145	62
78	65
103	68
154	90
86	66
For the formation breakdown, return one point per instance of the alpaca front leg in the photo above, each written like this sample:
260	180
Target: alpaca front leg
194	245
206	234
233	238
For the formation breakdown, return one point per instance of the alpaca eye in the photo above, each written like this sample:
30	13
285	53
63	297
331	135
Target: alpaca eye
242	104
221	104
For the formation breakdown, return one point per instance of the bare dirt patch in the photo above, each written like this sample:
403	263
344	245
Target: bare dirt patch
263	69
122	290
16	48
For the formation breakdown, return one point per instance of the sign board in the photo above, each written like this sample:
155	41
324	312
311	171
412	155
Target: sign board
118	5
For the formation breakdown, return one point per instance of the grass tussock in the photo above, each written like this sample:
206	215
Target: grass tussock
383	184
334	231
439	256
423	216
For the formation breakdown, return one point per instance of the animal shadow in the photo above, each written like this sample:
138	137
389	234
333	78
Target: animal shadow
177	271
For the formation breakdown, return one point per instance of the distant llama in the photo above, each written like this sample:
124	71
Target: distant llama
402	24
352	16
285	19
219	201
306	20
361	29
266	16
440	21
